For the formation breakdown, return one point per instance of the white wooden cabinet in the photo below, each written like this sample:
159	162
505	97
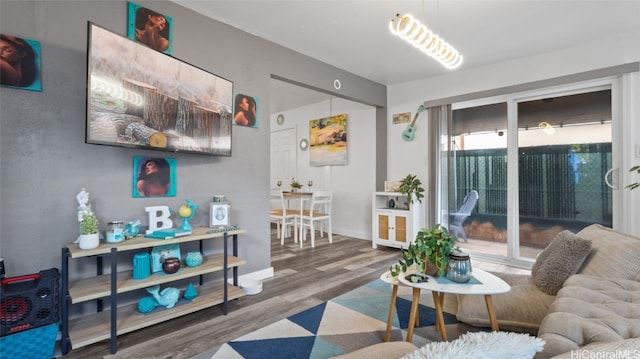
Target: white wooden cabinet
117	320
397	226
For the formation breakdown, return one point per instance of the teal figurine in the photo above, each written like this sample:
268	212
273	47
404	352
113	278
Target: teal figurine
193	259
167	298
190	292
147	305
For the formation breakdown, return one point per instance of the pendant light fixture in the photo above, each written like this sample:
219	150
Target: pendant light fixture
415	33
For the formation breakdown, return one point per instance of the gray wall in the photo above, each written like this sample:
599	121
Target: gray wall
45	162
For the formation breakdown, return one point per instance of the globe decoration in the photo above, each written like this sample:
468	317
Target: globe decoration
186	213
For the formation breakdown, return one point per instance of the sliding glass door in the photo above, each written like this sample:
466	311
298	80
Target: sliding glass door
538	163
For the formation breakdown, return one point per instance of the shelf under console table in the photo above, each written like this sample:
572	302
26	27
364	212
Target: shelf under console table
118	320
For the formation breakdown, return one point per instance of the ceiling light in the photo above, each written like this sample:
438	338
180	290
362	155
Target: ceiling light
547	128
424	39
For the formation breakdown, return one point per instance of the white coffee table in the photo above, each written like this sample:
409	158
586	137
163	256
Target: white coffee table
485	284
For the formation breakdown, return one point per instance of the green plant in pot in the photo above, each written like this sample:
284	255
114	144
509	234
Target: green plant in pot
411	186
431	249
295	185
89	237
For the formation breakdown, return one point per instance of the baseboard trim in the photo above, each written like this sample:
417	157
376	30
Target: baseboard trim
257	275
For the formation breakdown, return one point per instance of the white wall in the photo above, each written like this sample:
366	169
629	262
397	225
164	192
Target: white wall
352	184
406	157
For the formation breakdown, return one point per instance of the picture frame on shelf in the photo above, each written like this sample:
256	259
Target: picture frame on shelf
162	252
218	214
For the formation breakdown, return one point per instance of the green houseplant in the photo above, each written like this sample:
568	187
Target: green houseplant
411	186
431	246
295	185
89	224
89	236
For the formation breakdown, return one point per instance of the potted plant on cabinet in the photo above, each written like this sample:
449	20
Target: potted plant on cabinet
429	253
89	237
411	186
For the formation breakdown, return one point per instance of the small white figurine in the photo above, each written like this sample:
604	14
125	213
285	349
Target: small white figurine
83	201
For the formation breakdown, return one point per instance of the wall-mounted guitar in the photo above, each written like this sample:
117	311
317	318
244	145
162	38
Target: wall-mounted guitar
410	132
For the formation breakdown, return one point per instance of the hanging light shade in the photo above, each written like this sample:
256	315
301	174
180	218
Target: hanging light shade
415	33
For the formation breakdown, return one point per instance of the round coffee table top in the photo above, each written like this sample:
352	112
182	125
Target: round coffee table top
482	282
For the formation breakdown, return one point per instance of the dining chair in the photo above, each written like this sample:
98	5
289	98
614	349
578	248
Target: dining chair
282	216
318	211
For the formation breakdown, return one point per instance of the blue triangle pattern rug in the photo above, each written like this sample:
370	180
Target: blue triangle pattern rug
341	325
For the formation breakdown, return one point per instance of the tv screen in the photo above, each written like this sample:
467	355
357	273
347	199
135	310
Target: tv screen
141	98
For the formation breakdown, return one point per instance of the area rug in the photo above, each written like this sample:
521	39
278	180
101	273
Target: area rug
344	324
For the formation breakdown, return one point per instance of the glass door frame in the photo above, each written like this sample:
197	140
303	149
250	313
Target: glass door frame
512	100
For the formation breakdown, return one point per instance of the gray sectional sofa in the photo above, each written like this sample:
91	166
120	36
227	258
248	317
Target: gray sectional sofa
583	294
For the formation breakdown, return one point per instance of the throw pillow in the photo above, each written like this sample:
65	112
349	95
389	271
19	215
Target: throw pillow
562	258
615	254
482	345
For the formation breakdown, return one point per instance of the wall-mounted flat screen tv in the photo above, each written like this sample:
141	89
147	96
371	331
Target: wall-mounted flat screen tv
141	98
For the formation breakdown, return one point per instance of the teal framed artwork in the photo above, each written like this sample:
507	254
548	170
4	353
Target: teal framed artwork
150	28
20	63
154	177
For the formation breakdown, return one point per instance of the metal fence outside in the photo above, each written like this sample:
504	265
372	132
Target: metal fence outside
558	184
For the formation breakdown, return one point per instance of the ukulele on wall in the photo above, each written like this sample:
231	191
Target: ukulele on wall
410	132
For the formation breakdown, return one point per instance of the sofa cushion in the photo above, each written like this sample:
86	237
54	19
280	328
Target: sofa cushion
521	309
591	309
562	257
613	254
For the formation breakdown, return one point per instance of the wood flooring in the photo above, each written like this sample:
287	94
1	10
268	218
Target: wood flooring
302	279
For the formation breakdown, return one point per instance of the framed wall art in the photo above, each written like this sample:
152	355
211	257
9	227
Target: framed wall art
150	28
401	118
20	63
245	111
328	141
154	177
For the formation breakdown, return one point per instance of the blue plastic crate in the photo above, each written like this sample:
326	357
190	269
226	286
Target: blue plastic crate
37	343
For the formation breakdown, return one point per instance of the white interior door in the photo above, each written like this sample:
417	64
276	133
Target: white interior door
283	157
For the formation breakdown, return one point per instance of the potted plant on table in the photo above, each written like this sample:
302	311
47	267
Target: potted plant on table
411	186
295	185
89	237
429	253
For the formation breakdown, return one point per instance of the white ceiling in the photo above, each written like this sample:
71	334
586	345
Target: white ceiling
353	34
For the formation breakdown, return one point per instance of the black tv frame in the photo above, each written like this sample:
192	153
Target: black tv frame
138	97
